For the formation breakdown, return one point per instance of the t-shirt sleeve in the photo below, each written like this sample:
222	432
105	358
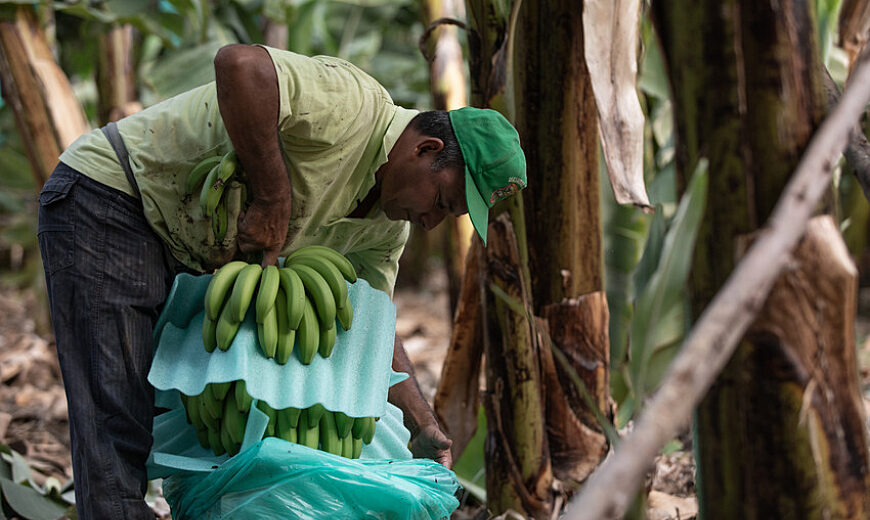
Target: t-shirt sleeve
379	265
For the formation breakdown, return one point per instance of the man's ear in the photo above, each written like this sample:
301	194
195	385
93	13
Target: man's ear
429	145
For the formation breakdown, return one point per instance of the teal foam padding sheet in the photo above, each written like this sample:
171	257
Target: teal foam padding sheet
354	379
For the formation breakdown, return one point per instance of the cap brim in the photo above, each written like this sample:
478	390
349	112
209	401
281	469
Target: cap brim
478	211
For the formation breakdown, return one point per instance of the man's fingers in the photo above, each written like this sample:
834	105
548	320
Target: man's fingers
441	442
445	458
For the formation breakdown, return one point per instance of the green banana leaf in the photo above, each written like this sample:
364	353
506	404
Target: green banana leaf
14	170
653	78
658	308
827	14
21	495
28	503
197	63
624	231
652	251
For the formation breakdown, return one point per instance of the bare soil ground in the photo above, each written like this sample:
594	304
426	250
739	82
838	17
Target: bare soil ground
33	405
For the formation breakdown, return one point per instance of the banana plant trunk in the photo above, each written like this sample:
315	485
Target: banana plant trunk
47	114
557	117
116	75
518	471
776	437
541	431
457	399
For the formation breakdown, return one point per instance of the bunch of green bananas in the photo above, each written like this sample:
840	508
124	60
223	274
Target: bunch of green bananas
319	428
295	304
220	414
211	176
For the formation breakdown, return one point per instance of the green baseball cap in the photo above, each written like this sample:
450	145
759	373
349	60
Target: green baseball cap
495	167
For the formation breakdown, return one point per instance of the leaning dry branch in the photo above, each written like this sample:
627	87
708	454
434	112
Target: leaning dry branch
711	342
857	153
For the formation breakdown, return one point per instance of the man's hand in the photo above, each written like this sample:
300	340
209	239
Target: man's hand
263	227
427	439
431	443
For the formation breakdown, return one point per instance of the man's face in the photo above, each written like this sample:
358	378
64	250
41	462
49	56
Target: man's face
410	190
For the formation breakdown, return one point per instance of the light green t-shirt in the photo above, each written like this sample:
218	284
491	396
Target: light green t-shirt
336	126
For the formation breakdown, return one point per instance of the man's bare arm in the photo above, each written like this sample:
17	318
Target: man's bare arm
427	439
247	91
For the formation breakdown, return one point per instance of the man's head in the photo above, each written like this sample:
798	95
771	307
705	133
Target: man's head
452	162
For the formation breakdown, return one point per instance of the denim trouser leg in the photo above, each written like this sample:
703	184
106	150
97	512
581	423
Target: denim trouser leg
107	277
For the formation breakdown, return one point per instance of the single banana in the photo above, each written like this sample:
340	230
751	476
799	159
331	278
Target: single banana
221	283
234	421
295	291
220	390
199	172
288	434
328	271
227	168
207	189
202	437
326	341
308	335
359	425
205	414
340	261
329	439
192	407
286	335
345	314
209	334
319	292
285	425
243	291
272	414
220	221
267	292
343	424
214	440
357	448
211	405
241	396
369	432
227	441
347	447
267	334
308	435
227	326
290	416
314	414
